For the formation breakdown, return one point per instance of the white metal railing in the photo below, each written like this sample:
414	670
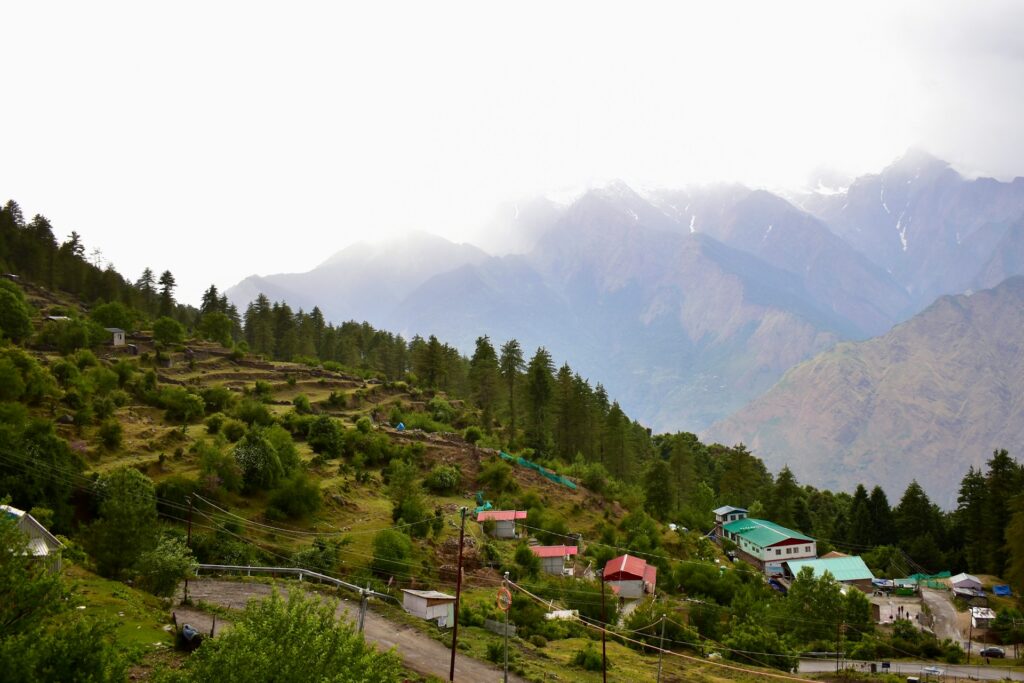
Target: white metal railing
294	571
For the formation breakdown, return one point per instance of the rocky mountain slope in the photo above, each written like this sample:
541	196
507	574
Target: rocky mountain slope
935	395
687	303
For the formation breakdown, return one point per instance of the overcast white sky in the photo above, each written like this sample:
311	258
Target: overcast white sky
221	139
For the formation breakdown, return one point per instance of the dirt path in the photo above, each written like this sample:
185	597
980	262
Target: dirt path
942	610
420	653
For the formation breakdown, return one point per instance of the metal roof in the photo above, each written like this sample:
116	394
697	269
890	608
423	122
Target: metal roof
429	595
763	533
726	509
629	568
501	515
842	568
553	550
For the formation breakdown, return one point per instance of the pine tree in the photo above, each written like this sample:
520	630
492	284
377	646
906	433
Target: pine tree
539	391
511	365
881	517
484	378
167	285
972	502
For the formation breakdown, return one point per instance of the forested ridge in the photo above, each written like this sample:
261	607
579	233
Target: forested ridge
112	449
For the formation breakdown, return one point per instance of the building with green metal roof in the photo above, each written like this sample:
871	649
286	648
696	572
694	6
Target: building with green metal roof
848	570
767	544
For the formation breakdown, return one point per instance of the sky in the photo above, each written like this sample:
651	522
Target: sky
223	139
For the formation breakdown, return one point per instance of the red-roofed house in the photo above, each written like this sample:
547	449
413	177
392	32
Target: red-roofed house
504	521
553	558
630	577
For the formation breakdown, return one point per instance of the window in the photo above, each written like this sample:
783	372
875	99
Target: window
778	551
807	548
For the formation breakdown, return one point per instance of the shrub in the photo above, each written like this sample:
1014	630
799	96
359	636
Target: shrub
495	651
589	659
496	477
110	433
302	405
217	399
298	496
161	569
325	436
215	422
392	551
253	412
364	425
181	405
233	430
472	434
538	640
443	479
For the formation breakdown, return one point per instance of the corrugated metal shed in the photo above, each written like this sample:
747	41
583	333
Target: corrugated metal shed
842	568
763	533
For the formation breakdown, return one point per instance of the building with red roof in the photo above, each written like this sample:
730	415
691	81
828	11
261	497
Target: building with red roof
553	558
504	521
630	577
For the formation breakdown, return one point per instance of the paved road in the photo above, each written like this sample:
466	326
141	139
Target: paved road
419	652
983	673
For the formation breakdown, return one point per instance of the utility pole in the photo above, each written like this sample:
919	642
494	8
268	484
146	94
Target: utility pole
970	637
458	594
837	648
364	596
505	584
188	542
661	647
604	627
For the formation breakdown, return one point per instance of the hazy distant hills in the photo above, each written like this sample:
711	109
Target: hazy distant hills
934	231
936	394
686	303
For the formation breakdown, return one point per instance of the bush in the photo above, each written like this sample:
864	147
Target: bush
443	479
161	569
538	640
325	436
215	422
495	651
217	399
298	496
473	434
233	430
392	552
110	433
69	335
589	659
496	477
253	412
364	425
302	405
181	405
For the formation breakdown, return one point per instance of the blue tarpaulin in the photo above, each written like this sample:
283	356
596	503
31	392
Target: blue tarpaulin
1002	590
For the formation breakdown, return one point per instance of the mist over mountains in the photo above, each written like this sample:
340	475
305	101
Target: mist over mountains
687	304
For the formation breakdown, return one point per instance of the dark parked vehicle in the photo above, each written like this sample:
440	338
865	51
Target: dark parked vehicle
993	652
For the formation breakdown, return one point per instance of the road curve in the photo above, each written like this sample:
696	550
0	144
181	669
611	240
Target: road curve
418	652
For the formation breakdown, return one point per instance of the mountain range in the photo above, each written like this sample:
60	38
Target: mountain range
687	304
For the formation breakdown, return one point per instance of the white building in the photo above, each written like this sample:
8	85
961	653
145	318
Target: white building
116	336
965	581
555	559
982	617
430	605
41	543
504	521
728	513
768	545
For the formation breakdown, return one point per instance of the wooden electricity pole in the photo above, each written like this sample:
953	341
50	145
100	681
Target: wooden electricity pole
458	594
661	647
604	627
188	542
